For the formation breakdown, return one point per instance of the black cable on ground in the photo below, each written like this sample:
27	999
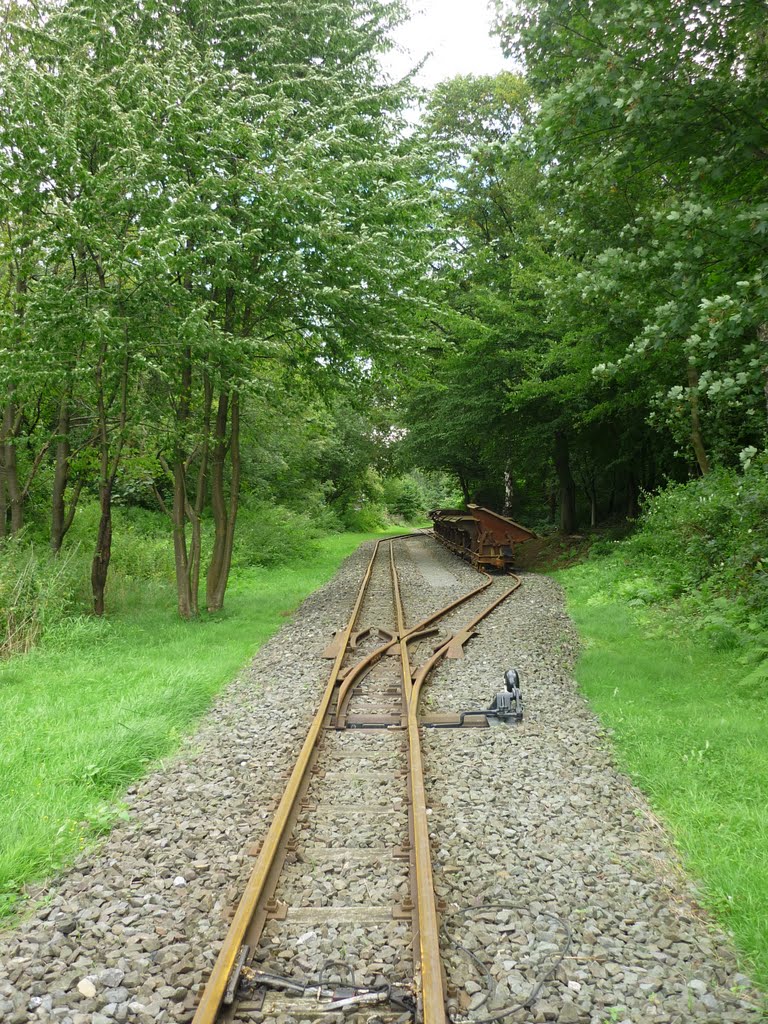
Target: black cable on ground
533	995
343	994
346	968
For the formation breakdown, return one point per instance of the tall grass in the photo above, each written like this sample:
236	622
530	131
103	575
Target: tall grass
36	591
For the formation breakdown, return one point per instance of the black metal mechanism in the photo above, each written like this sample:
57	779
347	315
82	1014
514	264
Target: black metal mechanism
507	705
344	997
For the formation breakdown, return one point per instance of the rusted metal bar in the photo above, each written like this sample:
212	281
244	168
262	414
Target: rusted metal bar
254	907
432	991
401	630
426	927
461	637
216	987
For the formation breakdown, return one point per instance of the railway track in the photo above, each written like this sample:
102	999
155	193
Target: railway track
357	783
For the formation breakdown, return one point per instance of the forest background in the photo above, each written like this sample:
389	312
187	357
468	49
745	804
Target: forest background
246	305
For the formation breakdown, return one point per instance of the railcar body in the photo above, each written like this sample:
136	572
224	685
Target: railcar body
484	538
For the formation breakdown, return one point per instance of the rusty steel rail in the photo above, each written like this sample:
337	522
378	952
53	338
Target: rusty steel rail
426	923
431	993
408	635
254	906
216	987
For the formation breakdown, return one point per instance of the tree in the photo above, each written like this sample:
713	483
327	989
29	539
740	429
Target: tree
656	111
190	194
514	400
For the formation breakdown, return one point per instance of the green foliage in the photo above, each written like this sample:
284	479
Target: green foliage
206	219
513	367
270	535
410	496
368	517
37	591
705	544
652	130
605	303
142	551
405	498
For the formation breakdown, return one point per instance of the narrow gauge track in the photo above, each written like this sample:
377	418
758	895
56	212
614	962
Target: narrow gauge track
365	736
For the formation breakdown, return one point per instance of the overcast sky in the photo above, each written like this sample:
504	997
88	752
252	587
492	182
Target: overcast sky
457	33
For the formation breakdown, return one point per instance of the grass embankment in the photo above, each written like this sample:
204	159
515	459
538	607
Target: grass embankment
690	723
85	712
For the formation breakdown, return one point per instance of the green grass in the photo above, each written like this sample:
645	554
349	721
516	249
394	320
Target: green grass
86	712
691	726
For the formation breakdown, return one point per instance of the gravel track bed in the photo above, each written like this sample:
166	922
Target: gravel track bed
353	809
129	933
534	833
537	835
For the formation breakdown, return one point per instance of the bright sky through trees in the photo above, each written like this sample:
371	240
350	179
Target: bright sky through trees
456	32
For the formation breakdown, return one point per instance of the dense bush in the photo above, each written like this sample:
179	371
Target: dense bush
703	545
142	546
404	497
367	517
411	496
711	534
269	534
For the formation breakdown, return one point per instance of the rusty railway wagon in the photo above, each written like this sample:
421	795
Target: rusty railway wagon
484	538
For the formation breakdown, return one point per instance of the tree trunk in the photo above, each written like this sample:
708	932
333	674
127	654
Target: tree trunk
13	496
762	337
4	490
3	503
633	503
13	487
179	514
181	559
509	491
195	512
109	464
195	551
187	558
60	478
696	436
612	496
568	517
9	470
224	515
464	485
218	505
103	552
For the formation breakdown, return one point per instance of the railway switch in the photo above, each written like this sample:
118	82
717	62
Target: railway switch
509	702
507	705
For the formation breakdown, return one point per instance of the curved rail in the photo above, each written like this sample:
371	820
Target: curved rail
216	986
407	635
432	986
253	907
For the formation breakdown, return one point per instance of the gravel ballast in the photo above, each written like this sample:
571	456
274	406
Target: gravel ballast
540	846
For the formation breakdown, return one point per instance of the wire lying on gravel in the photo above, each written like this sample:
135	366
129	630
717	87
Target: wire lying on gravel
533	995
346	996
